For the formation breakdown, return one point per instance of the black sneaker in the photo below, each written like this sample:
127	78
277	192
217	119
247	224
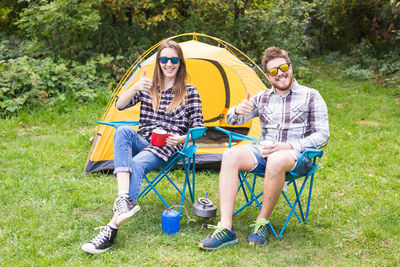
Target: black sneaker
125	208
102	241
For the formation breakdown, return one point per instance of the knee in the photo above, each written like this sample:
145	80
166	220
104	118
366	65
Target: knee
124	133
122	130
279	163
230	156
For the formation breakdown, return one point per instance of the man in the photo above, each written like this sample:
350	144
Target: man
293	118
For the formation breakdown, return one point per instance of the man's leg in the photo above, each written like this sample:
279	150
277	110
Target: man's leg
233	160
278	164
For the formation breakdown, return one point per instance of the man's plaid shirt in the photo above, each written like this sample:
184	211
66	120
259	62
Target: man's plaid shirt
300	118
179	122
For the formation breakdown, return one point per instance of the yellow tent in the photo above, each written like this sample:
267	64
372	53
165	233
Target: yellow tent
222	80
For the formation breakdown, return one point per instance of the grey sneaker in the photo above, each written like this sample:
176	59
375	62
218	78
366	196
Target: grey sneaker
102	241
125	208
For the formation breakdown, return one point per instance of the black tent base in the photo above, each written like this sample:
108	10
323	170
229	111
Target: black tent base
203	162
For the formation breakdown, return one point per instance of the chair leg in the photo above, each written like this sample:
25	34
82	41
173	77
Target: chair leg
309	197
241	186
253	197
297	201
164	173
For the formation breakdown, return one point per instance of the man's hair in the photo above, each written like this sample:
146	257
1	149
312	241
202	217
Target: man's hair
271	53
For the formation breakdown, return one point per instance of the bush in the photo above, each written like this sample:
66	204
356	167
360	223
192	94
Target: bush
26	81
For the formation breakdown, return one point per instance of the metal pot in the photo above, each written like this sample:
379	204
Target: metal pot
204	208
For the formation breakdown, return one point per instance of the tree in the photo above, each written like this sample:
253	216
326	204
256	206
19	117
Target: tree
60	28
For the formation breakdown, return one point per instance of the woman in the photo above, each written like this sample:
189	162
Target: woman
167	102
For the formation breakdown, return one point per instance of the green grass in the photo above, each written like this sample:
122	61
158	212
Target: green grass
49	207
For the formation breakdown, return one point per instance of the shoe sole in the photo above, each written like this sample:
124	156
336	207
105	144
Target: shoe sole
256	244
220	246
92	250
126	216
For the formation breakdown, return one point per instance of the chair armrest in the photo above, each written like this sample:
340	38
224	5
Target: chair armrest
117	124
194	134
311	154
235	136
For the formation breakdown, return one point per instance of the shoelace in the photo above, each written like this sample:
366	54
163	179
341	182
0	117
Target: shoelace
105	232
258	225
218	229
122	204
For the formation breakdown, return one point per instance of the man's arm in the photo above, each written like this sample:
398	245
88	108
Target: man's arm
243	112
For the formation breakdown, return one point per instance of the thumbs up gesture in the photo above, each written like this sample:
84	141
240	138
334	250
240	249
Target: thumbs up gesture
245	107
144	84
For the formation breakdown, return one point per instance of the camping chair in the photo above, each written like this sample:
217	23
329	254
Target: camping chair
186	155
290	179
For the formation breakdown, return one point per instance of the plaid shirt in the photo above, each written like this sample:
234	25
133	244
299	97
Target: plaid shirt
300	118
178	122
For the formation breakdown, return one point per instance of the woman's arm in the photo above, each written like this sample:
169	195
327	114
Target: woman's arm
125	98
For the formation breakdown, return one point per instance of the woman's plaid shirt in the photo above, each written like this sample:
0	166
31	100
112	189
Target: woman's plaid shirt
179	122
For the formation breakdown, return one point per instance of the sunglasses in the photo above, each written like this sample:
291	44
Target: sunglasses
164	60
283	68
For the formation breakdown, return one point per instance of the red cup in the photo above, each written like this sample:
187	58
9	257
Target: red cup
159	137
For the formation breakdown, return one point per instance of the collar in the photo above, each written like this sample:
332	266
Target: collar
293	89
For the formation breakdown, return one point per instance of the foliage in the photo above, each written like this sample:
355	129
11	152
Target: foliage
9	13
366	62
60	28
50	208
341	24
30	82
54	33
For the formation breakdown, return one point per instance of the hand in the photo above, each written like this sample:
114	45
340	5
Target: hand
173	139
144	84
269	149
245	107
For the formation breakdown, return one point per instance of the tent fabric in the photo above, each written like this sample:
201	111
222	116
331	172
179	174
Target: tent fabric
222	81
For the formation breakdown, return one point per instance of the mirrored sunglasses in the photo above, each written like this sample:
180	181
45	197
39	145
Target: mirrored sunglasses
283	68
174	60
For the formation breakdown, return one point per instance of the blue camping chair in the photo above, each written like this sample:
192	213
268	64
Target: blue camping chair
291	178
186	155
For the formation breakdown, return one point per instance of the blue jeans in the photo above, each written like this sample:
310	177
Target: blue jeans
129	156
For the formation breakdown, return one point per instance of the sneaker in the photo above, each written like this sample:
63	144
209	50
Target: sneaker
258	235
125	208
219	238
102	241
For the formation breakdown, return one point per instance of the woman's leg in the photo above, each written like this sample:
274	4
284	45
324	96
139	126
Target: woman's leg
142	163
127	144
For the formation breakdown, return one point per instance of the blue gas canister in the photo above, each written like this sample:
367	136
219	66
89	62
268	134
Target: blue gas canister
170	221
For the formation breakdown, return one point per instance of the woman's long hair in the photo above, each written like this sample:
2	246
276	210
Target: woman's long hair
179	88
